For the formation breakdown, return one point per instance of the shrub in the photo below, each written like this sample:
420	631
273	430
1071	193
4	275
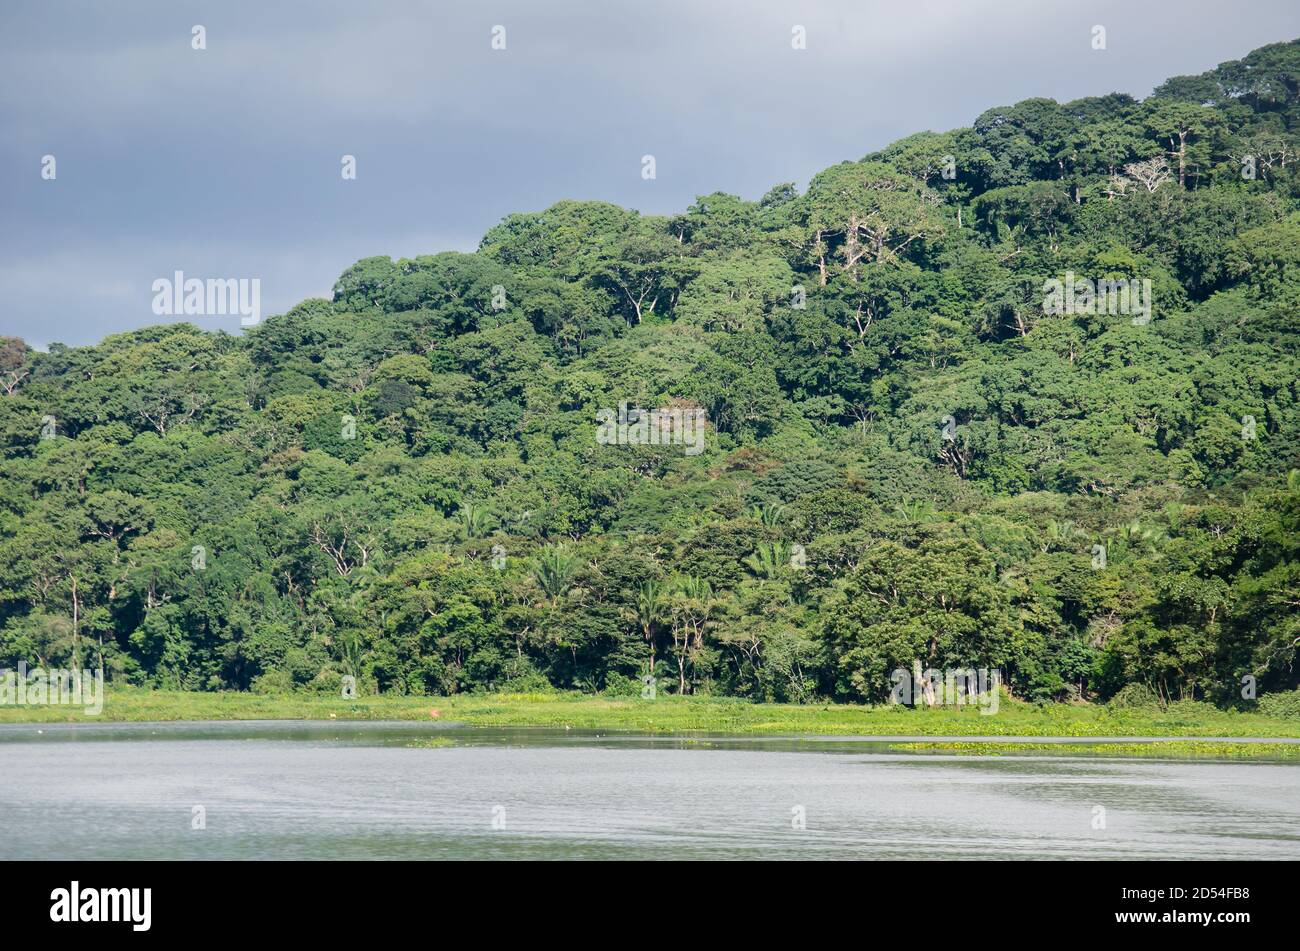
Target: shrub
1135	697
273	681
620	685
1285	704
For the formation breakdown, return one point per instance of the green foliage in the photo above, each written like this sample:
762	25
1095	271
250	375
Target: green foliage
907	458
1284	705
1135	697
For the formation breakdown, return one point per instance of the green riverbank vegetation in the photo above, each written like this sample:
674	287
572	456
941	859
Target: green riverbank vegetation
676	714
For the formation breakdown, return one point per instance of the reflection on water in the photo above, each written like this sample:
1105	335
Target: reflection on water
410	791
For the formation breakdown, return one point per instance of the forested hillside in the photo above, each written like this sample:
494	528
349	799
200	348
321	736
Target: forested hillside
907	454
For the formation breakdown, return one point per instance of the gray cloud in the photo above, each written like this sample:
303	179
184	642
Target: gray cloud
225	162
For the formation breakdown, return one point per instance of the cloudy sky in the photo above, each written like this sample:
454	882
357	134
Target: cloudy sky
225	162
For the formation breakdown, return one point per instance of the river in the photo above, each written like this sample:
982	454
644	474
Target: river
437	791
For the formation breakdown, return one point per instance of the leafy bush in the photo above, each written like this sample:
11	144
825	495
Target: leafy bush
1285	704
1135	697
620	685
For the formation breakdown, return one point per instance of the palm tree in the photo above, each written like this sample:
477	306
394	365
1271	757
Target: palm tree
916	511
692	607
1062	534
768	559
475	521
554	570
351	653
769	514
1134	536
647	610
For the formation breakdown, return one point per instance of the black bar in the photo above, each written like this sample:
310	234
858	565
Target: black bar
337	900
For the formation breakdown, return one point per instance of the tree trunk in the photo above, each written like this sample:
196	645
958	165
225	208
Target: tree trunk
76	639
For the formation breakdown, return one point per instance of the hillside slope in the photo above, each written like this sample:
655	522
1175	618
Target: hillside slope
897	425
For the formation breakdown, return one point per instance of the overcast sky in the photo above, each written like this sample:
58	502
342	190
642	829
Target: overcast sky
225	162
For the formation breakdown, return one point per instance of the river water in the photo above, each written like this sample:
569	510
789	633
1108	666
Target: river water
438	791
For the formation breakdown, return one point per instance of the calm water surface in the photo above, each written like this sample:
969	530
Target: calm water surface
421	791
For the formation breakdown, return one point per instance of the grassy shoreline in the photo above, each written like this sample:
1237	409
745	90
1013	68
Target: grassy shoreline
668	714
1180	749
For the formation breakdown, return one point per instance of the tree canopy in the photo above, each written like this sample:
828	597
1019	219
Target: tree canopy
906	457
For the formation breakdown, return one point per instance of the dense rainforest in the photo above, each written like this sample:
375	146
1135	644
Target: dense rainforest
905	454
